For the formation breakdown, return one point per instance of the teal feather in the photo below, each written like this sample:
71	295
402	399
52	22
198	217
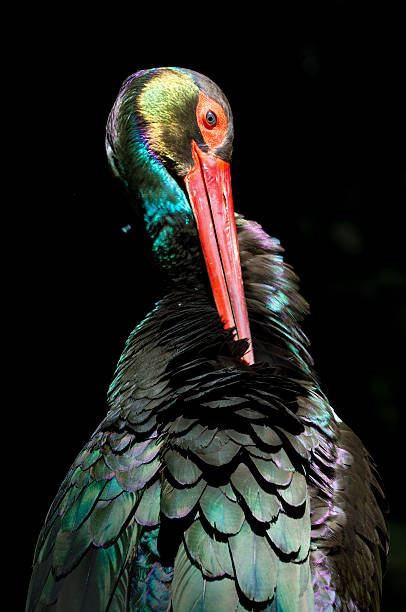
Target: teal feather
295	590
271	472
256	564
291	535
108	516
211	555
137	477
262	505
222	513
182	468
178	502
194	593
295	493
82	506
148	510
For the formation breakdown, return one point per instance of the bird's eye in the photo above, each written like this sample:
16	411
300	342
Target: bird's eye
211	119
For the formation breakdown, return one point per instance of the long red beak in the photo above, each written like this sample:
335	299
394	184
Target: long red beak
209	187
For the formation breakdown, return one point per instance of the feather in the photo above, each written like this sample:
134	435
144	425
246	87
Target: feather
255	563
266	434
183	469
69	547
263	506
108	517
192	592
272	473
294	591
178	502
296	492
82	506
211	555
219	451
223	514
136	478
291	535
148	509
100	571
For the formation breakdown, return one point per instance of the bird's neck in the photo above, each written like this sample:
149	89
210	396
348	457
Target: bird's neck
164	203
166	210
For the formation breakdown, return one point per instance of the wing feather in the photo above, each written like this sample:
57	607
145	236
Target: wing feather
88	540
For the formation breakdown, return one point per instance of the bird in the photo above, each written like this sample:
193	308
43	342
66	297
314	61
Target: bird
220	477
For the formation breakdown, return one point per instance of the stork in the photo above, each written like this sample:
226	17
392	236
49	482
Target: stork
220	477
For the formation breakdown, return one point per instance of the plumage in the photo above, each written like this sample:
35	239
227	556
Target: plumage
220	477
256	564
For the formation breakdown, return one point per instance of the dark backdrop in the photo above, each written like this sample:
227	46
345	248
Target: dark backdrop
318	160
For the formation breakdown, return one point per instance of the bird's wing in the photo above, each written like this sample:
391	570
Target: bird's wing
235	476
82	557
349	529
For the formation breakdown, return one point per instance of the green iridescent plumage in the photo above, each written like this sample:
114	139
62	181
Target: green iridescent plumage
209	484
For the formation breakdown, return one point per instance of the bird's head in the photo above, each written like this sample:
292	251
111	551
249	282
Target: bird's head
161	112
171	128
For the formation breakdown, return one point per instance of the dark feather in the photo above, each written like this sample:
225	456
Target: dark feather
211	485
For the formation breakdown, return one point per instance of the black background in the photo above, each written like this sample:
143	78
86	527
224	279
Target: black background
319	161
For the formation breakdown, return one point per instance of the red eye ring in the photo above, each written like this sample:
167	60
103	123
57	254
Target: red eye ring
213	132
